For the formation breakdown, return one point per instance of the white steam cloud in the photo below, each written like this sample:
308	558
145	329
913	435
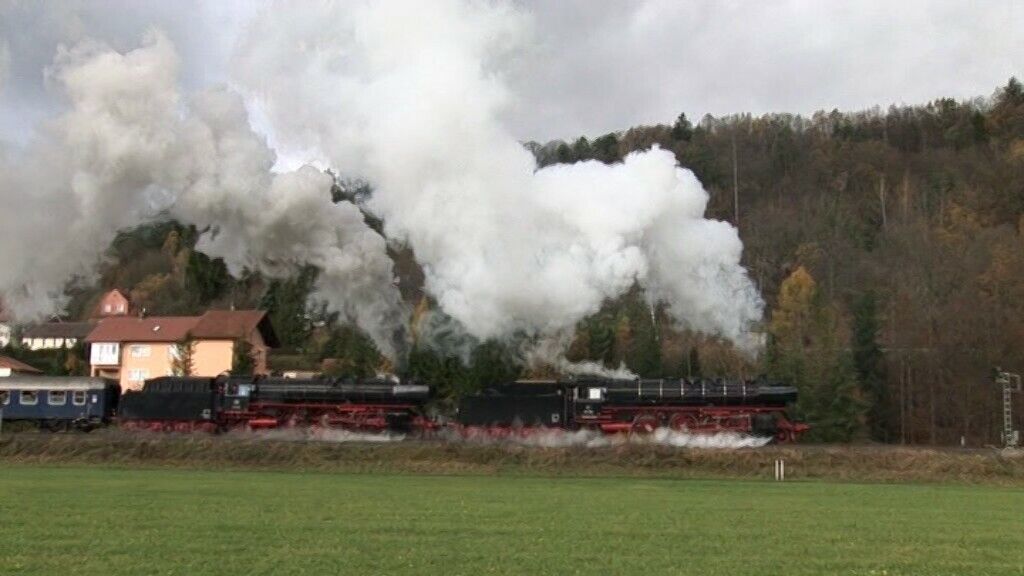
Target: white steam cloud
129	149
409	95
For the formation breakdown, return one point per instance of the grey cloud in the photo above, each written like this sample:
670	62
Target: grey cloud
203	33
600	65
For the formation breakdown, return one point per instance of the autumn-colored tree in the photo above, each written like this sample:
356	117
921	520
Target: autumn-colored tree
183	356
806	352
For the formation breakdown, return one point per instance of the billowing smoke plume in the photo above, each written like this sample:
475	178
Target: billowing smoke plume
407	95
88	173
129	149
277	222
410	96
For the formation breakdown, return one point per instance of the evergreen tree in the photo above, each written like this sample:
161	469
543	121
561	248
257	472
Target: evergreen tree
606	148
207	279
490	363
445	373
243	363
869	364
354	351
682	130
287	303
563	154
601	338
644	354
692	364
581	149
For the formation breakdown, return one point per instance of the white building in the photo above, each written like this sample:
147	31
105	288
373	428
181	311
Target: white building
6	328
55	335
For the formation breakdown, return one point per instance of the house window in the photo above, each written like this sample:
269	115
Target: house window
78	397
120	308
137	374
105	354
140	351
5	397
57	397
29	398
106	308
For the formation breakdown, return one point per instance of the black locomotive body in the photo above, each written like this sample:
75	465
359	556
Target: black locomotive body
183	404
517	404
171	403
637	406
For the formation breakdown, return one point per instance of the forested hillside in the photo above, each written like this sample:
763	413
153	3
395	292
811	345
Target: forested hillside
887	245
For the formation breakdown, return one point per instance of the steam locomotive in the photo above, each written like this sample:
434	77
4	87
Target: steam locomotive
225	402
636	406
188	404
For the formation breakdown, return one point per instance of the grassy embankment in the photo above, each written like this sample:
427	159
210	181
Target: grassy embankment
834	463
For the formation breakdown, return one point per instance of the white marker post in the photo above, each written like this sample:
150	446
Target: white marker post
780	470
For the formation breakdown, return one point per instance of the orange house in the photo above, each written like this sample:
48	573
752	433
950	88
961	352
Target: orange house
113	303
133	349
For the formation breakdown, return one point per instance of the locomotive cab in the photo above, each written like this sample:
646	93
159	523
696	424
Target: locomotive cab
588	399
237	393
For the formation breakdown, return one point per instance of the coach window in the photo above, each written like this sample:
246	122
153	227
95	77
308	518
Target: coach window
29	398
78	397
5	397
57	397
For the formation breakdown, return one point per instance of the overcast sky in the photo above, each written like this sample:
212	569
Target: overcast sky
596	66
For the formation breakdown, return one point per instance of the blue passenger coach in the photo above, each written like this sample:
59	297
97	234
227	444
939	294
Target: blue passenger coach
59	403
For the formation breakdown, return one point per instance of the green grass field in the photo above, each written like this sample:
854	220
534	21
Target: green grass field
68	521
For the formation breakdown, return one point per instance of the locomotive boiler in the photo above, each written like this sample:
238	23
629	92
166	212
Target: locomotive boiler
636	406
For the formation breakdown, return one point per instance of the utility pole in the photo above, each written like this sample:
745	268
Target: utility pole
1010	383
735	183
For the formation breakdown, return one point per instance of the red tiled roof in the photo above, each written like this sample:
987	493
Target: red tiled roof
213	325
18	366
75	330
227	323
149	329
